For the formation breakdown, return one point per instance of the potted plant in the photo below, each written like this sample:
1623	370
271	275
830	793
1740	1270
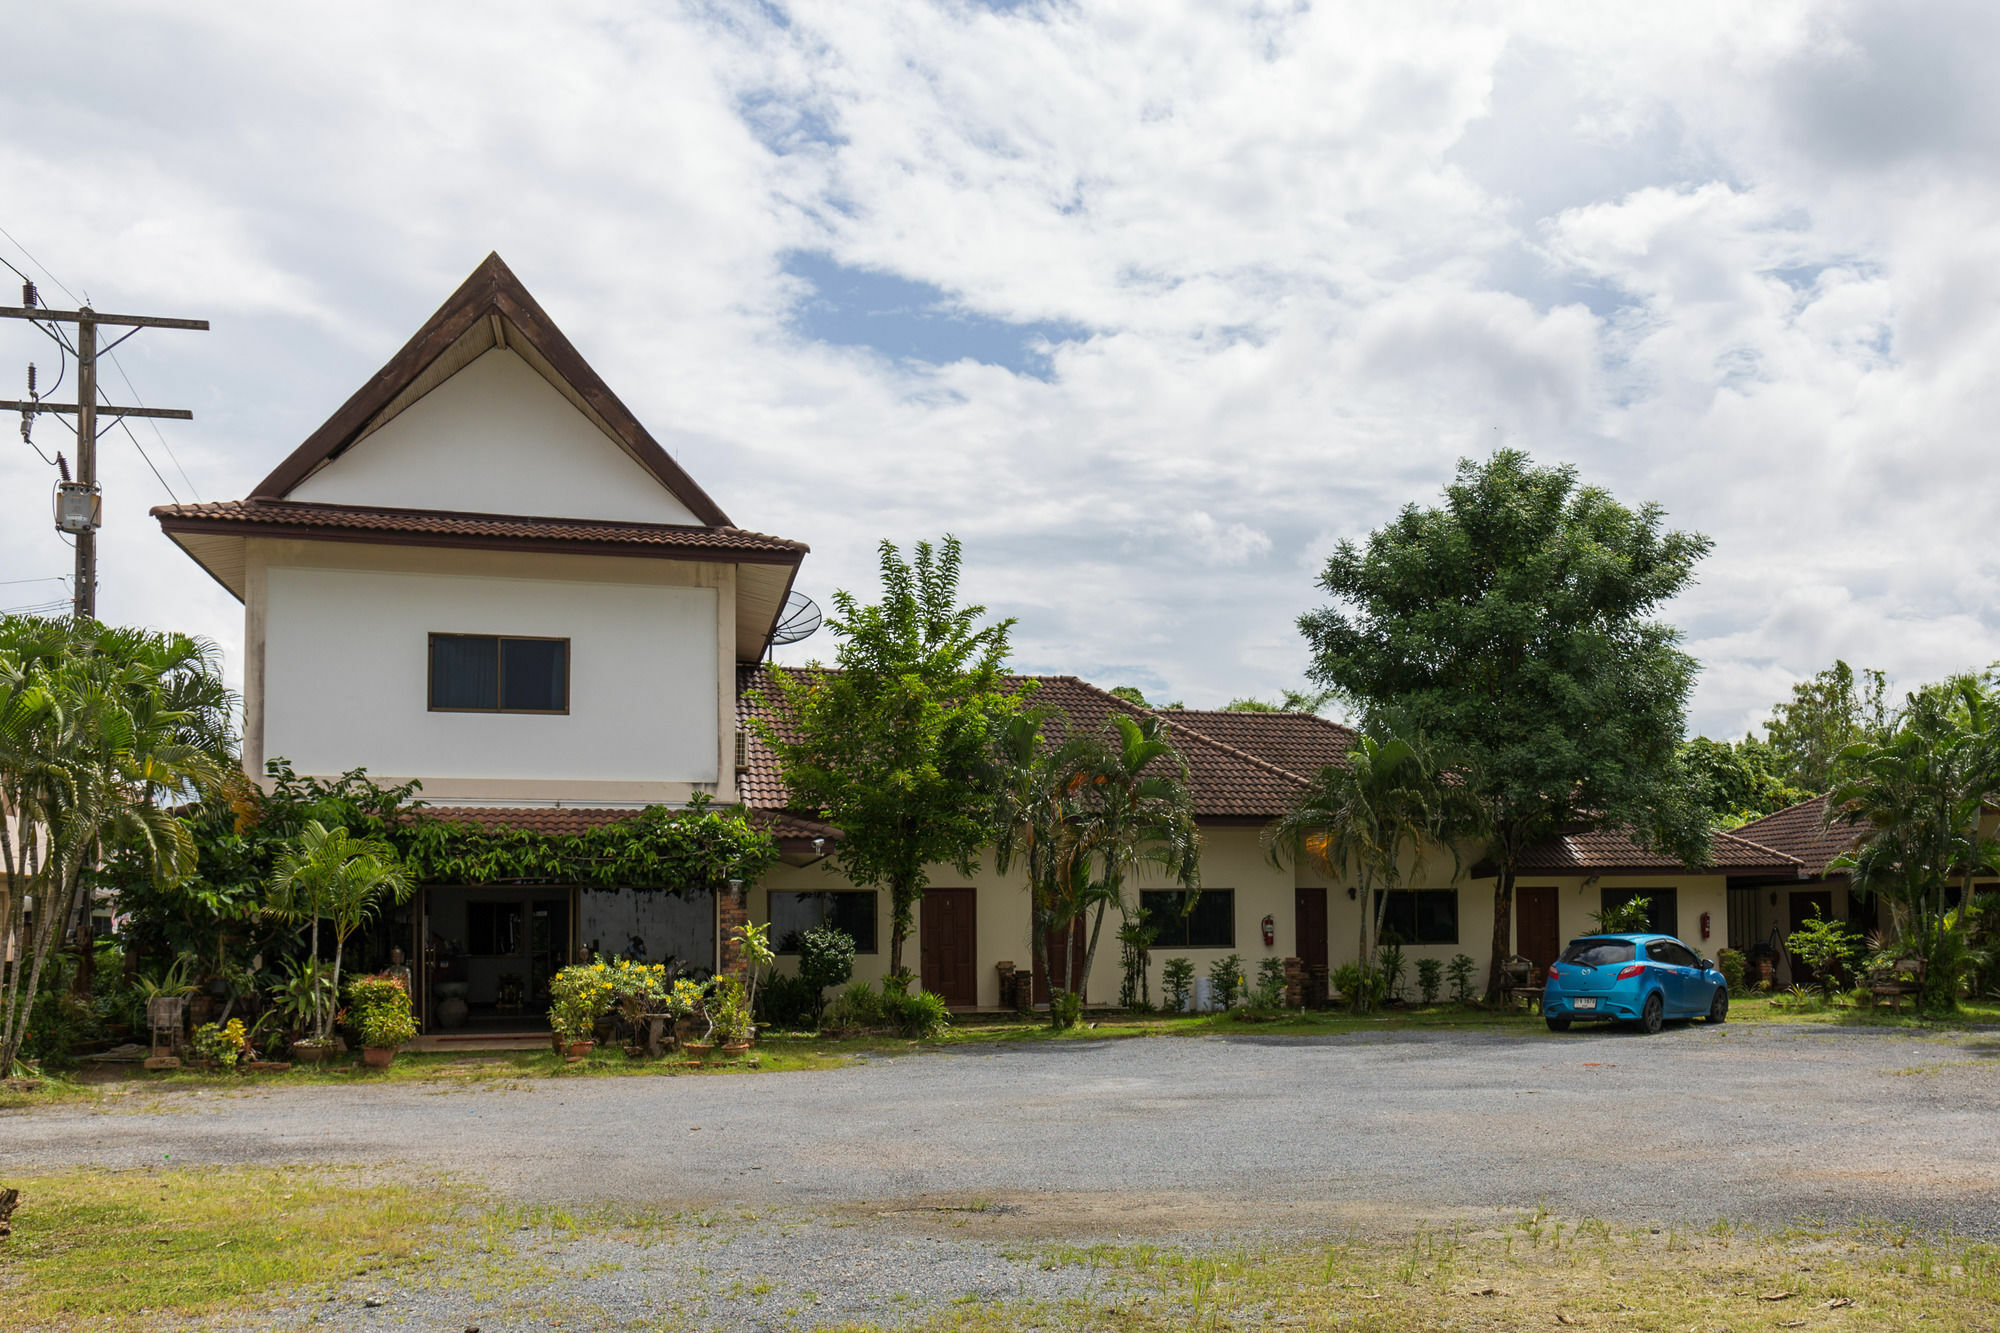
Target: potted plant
578	997
730	1009
689	1003
380	1008
640	994
219	1045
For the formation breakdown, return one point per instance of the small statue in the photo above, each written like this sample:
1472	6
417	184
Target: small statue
397	971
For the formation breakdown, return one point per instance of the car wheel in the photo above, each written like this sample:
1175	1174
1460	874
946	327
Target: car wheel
1651	1016
1559	1024
1718	1008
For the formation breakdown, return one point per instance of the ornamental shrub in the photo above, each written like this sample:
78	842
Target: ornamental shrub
787	1003
922	1014
1732	964
826	959
1225	980
220	1042
1430	979
1270	991
1460	973
378	1008
1177	984
578	997
858	1006
1065	1009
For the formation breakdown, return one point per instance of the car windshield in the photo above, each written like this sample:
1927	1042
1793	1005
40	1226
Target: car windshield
1598	953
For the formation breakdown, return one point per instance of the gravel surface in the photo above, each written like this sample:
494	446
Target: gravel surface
938	1165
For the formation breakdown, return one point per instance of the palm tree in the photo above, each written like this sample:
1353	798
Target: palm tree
93	740
1376	819
1039	792
1915	803
1140	814
334	875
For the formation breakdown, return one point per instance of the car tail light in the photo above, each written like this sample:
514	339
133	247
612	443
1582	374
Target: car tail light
1630	970
1553	972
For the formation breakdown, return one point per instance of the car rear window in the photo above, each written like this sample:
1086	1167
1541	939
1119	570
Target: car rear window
1598	953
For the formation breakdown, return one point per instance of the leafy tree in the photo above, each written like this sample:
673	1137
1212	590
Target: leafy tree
1131	695
1735	783
893	747
1915	802
100	728
1037	809
330	874
1828	947
1827	715
1291	701
1376	819
1515	625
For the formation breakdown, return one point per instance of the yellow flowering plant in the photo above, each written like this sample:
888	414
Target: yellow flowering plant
221	1042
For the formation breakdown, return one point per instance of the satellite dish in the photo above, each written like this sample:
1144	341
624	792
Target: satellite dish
800	620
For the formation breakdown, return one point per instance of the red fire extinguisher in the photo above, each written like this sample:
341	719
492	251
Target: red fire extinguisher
1704	925
1270	932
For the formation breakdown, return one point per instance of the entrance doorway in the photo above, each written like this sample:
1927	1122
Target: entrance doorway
1537	929
488	953
1309	926
949	953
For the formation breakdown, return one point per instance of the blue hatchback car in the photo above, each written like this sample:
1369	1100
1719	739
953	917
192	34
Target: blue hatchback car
1639	979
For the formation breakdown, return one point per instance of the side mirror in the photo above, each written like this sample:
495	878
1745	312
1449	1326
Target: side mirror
1708	965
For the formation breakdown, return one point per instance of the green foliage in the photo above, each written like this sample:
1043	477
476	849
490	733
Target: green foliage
729	1010
893	747
1629	917
859	1005
1177	983
787	1004
1811	735
1734	784
379	1011
1515	625
1460	972
700	848
1733	965
1135	959
1829	947
826	958
1392	965
1065	1009
1131	695
1430	979
579	995
1291	701
917	1014
221	1042
1269	993
102	731
1225	980
330	874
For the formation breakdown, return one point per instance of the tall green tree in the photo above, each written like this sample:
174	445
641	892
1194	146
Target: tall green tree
1376	820
1827	715
99	734
1036	815
1516	625
1732	784
894	747
1290	701
1138	815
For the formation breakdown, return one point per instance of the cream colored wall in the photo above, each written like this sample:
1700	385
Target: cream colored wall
339	640
1578	897
496	438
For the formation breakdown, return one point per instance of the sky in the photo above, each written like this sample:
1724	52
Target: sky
1149	303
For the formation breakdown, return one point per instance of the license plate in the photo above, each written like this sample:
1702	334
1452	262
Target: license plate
1584	1003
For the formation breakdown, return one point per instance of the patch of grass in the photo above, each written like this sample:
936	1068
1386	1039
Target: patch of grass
126	1249
1780	1008
1538	1271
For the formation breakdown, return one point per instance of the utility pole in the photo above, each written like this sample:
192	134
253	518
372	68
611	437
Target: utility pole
78	507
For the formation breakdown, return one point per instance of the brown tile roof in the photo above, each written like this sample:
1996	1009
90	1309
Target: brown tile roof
493	531
1796	830
579	818
1600	851
1301	743
1226	782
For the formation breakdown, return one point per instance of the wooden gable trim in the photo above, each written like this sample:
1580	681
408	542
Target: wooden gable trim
492	292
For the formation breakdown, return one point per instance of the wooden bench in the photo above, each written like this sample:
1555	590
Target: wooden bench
1907	978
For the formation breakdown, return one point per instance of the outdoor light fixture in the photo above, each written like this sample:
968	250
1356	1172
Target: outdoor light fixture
1352	893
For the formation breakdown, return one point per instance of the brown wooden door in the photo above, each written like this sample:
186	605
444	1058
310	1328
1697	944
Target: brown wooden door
1309	926
1053	943
949	945
1537	932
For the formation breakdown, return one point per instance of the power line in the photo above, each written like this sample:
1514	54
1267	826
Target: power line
46	578
193	490
40	265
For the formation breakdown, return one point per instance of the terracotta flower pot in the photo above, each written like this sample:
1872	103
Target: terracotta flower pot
735	1047
378	1057
697	1050
576	1050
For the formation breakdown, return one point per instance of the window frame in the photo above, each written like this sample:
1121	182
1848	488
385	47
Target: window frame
1667	896
875	936
1154	919
1417	916
499	672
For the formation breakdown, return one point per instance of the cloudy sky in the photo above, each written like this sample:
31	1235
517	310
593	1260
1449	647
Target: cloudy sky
1149	303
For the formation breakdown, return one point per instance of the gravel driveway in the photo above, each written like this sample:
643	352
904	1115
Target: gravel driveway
1762	1124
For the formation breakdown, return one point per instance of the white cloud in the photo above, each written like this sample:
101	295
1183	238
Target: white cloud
1738	259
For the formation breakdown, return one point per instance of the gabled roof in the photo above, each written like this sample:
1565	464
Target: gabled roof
1617	851
490	309
1800	832
1227	783
1301	743
333	522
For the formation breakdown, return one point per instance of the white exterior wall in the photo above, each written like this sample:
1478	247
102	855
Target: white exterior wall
345	671
496	438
